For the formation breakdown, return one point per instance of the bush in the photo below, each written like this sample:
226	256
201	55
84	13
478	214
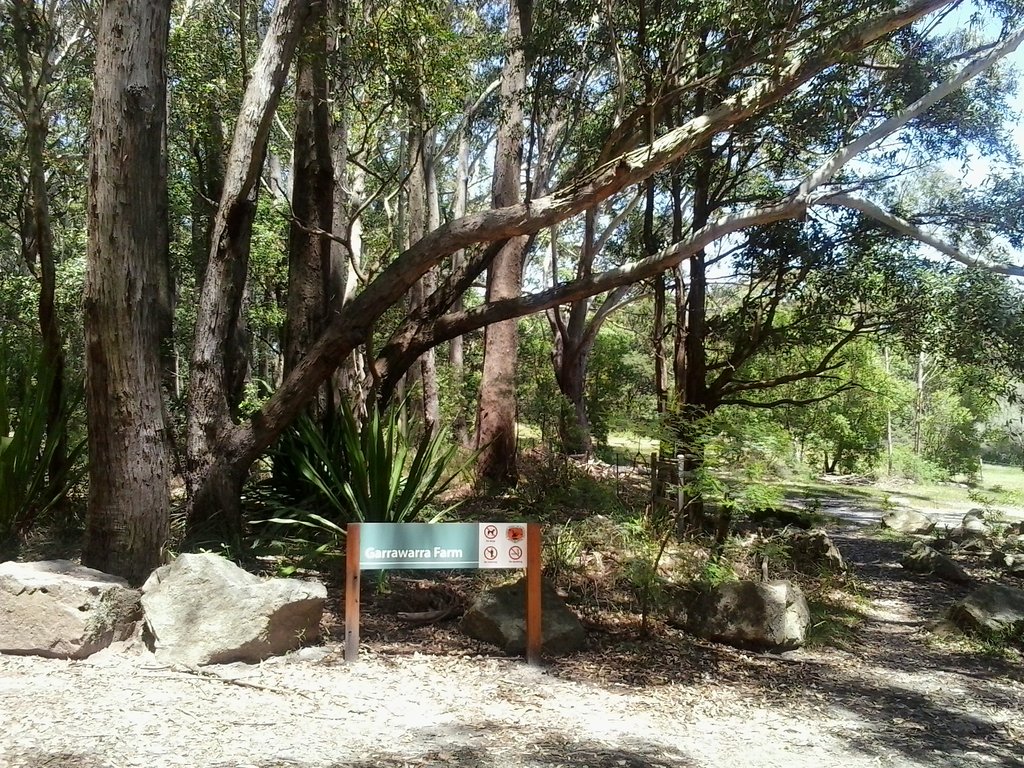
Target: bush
328	475
905	463
27	448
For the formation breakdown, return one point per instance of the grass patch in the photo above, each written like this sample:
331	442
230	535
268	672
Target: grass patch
1004	486
999	646
835	623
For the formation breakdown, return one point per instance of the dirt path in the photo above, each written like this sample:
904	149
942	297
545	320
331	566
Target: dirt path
892	699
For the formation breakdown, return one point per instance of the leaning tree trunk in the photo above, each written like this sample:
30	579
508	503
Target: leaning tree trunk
127	518
241	444
215	471
496	419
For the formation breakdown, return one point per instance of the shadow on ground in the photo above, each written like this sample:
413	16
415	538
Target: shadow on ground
545	753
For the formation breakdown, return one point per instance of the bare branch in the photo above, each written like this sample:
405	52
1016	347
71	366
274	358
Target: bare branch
902	225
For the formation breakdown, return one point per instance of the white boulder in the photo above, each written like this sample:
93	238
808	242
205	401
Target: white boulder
204	609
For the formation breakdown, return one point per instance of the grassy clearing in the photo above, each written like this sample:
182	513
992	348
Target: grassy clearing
999	487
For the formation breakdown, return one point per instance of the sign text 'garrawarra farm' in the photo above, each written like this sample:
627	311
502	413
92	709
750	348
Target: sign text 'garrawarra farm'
442	545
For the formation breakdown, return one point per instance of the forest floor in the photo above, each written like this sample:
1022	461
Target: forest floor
888	692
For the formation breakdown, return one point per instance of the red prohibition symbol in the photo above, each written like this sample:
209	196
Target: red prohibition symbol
515	553
490	532
490	553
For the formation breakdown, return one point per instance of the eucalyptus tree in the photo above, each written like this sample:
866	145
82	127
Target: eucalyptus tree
496	427
125	303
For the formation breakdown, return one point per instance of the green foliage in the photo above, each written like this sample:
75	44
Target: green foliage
620	389
906	463
26	447
716	572
563	546
328	475
554	486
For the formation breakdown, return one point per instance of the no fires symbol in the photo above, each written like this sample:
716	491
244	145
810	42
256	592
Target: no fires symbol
490	553
515	553
491	532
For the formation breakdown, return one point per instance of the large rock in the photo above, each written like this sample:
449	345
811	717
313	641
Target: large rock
814	551
904	520
62	610
924	559
498	616
749	614
993	608
203	609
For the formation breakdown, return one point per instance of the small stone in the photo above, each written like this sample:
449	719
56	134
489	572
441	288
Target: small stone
814	551
924	559
903	520
1011	562
974	525
992	608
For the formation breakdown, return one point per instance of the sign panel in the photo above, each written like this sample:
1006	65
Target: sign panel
441	545
379	546
502	545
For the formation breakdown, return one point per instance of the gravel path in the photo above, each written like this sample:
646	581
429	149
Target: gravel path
890	700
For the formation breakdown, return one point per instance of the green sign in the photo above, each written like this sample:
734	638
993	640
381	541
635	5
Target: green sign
441	545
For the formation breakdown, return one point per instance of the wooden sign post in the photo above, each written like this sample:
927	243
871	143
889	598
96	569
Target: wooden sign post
389	546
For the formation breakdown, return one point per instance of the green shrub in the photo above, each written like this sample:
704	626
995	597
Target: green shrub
328	475
27	448
905	463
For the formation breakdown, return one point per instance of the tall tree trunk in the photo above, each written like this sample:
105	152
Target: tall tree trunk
128	509
888	418
919	382
658	333
424	216
428	361
571	363
573	422
496	418
456	354
694	400
36	131
310	267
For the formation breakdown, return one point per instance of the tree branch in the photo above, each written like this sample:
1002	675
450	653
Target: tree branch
905	227
788	400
